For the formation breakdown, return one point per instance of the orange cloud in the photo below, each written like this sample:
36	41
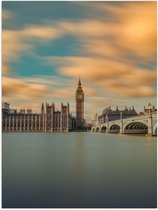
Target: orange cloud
112	75
140	91
133	29
18	88
44	32
138	28
103	48
93	68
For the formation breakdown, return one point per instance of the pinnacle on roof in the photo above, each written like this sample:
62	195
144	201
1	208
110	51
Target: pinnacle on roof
79	82
149	105
42	107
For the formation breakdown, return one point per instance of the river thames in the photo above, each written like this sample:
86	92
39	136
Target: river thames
78	170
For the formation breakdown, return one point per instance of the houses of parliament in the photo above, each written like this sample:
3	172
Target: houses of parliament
48	119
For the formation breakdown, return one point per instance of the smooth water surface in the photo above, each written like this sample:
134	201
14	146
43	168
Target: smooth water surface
78	170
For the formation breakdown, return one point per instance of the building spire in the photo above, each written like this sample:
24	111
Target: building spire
149	105
79	82
42	107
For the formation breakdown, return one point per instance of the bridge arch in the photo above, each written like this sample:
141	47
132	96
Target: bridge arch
97	129
136	128
115	128
103	129
155	132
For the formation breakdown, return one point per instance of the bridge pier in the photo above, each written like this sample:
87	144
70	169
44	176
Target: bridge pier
121	127
150	126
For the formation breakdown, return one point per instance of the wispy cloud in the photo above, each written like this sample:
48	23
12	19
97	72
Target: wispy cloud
17	88
112	75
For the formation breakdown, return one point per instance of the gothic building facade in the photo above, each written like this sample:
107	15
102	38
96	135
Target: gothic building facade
47	120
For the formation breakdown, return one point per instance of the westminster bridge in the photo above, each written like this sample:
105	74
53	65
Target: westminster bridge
143	124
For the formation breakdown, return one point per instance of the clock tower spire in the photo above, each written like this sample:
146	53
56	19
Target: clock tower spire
79	82
79	106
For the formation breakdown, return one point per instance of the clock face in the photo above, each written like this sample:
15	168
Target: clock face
79	97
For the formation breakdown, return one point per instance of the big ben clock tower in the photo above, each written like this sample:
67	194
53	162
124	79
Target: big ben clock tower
79	106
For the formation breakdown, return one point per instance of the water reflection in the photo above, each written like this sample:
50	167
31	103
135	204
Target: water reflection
78	170
80	162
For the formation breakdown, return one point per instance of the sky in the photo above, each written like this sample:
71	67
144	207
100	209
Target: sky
46	46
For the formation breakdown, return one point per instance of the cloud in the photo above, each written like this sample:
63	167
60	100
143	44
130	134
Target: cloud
12	47
44	32
103	48
94	69
137	30
112	75
18	88
21	92
142	91
132	30
16	42
133	34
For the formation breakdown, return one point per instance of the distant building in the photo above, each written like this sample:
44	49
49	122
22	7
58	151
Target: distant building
149	109
5	106
47	120
109	115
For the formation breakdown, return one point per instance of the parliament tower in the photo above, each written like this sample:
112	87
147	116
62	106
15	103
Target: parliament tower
79	106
